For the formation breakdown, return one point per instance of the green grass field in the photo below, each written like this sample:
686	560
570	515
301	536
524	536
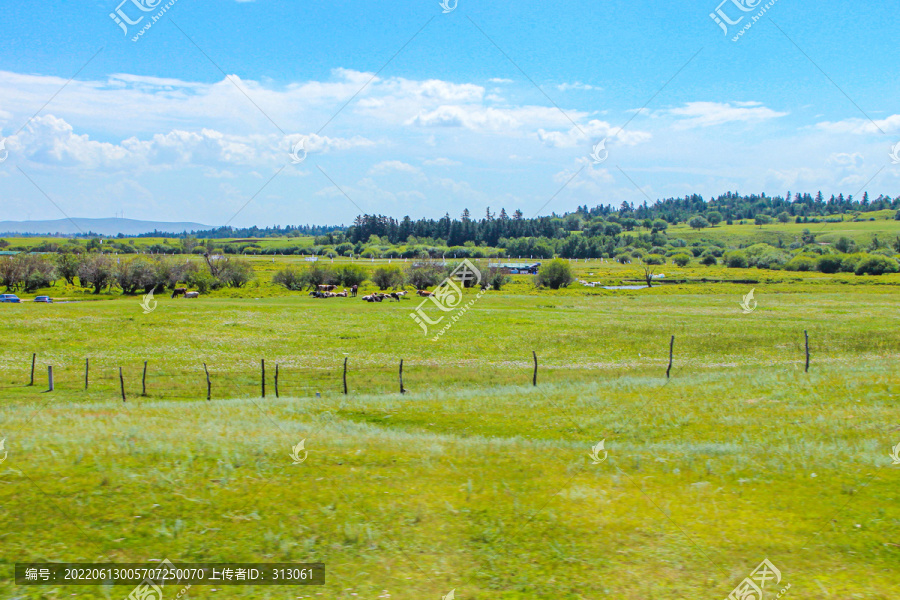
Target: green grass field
474	480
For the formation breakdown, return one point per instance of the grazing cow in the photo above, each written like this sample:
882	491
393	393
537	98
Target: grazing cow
397	295
327	288
353	290
178	291
424	293
192	294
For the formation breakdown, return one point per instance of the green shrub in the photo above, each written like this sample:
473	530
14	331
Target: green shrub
497	280
849	262
736	259
554	274
698	222
425	275
623	258
801	263
708	259
682	260
289	278
388	276
845	245
829	263
350	275
654	259
875	264
317	275
772	258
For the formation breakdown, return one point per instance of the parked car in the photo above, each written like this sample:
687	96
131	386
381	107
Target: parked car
9	298
45	299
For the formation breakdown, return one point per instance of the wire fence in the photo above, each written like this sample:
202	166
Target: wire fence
210	379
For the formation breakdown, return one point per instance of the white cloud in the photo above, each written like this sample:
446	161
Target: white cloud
479	118
590	132
708	114
393	166
51	140
862	126
565	87
442	162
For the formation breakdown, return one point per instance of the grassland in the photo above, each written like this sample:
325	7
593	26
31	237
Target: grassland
475	480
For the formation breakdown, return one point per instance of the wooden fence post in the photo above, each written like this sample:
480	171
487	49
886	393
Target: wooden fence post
144	381
806	335
122	384
671	349
534	378
50	377
345	376
208	383
87	366
276	380
33	358
263	367
402	390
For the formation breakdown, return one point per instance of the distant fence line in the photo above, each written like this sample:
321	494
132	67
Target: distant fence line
206	377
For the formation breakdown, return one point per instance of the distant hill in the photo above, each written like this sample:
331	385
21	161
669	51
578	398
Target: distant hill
99	226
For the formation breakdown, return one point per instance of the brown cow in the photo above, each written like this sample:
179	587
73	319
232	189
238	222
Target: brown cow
353	290
327	288
178	291
424	293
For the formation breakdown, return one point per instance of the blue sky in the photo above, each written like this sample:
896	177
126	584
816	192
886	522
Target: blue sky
153	128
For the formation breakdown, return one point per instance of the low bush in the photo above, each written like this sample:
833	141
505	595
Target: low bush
682	260
829	263
875	264
801	263
554	274
736	259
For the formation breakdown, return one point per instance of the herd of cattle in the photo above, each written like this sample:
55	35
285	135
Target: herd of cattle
184	292
328	291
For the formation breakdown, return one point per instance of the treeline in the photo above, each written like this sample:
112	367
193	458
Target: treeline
492	228
136	275
250	232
